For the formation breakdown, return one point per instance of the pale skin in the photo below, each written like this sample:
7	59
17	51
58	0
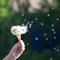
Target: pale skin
16	51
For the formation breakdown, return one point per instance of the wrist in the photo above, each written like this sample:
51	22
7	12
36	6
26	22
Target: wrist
9	57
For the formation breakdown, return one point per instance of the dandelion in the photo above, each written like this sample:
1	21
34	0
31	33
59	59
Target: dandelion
18	30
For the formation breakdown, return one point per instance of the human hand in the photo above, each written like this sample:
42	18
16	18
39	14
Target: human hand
16	51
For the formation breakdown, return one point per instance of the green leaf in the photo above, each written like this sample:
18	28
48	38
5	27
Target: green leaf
3	2
4	12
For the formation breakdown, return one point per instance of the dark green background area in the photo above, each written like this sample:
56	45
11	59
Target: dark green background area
9	18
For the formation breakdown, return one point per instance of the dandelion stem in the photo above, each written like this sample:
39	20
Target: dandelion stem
18	37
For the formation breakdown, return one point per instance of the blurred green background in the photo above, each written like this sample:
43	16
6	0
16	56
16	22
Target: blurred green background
8	18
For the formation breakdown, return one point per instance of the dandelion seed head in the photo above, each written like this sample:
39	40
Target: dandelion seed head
18	30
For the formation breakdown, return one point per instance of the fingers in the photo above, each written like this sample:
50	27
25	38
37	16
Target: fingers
21	46
20	49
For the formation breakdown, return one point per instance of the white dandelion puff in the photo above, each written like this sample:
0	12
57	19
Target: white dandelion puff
18	30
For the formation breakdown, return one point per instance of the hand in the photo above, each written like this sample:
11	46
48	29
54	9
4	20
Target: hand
16	51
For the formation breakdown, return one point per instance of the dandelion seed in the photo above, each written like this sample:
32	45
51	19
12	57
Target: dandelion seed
54	48
22	14
46	38
51	58
54	37
53	29
45	34
27	44
31	21
57	19
36	19
25	20
57	50
54	32
36	38
42	24
28	22
29	26
48	14
52	25
52	8
23	24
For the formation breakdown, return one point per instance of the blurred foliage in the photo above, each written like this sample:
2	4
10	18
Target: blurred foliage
9	18
5	8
